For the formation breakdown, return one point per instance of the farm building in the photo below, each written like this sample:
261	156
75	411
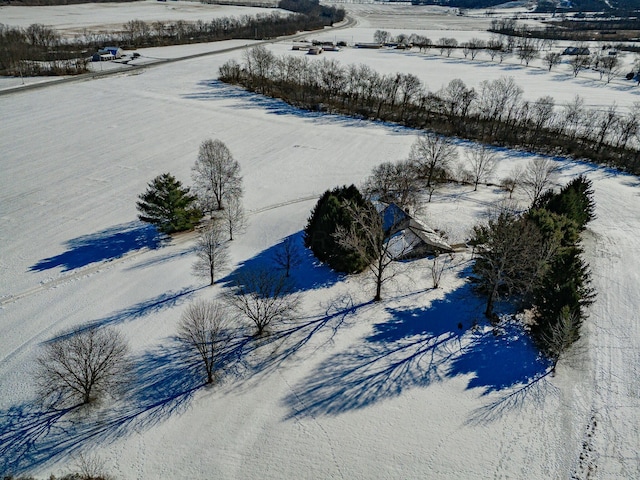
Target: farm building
576	51
409	237
106	54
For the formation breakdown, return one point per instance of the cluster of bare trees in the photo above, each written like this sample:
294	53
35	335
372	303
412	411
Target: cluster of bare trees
40	50
494	113
218	189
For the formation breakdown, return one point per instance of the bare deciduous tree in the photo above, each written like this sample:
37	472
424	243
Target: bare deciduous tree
474	46
511	257
551	59
233	216
447	45
287	255
82	366
211	251
579	63
202	329
438	266
513	180
216	175
264	297
394	183
482	162
432	154
381	36
366	235
539	175
612	67
494	45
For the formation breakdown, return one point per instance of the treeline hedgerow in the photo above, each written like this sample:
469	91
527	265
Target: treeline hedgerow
495	113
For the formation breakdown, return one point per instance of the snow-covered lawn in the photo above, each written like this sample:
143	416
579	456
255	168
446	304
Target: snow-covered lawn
355	390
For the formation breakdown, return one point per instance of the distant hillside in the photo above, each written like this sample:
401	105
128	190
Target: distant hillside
36	3
609	6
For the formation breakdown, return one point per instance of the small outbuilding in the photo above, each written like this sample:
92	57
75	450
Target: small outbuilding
576	51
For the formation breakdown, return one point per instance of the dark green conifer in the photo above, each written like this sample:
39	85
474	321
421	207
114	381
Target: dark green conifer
168	205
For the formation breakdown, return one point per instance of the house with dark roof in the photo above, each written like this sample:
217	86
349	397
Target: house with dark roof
408	236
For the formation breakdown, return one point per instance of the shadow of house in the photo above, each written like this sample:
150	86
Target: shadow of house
409	237
415	348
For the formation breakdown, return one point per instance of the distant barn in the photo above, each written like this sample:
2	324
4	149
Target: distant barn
576	51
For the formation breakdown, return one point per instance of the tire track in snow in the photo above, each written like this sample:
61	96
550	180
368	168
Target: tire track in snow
316	422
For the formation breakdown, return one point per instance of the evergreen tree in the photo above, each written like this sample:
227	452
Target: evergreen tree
575	201
565	290
168	205
319	234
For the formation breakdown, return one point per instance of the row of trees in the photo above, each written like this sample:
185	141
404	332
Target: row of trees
40	50
535	257
522	45
494	113
91	364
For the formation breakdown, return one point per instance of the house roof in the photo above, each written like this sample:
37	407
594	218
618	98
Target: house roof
409	234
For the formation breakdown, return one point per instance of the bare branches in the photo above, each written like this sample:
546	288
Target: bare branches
482	162
216	176
233	216
264	297
432	154
83	366
367	237
539	175
211	251
394	183
287	255
202	329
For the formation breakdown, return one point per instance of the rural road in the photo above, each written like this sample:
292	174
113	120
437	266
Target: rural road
347	23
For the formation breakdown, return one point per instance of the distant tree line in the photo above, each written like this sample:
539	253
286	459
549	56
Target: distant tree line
40	50
495	113
609	29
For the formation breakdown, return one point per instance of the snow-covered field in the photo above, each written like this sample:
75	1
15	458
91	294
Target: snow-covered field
359	390
107	17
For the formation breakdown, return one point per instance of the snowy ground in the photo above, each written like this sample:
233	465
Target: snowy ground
107	17
358	390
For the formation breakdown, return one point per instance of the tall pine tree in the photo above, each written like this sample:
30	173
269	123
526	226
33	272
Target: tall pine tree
168	205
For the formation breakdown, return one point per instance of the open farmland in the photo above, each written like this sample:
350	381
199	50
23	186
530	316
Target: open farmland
387	390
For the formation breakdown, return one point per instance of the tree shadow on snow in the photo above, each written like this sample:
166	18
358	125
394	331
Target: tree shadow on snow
415	348
248	359
150	306
163	384
102	246
308	274
218	90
